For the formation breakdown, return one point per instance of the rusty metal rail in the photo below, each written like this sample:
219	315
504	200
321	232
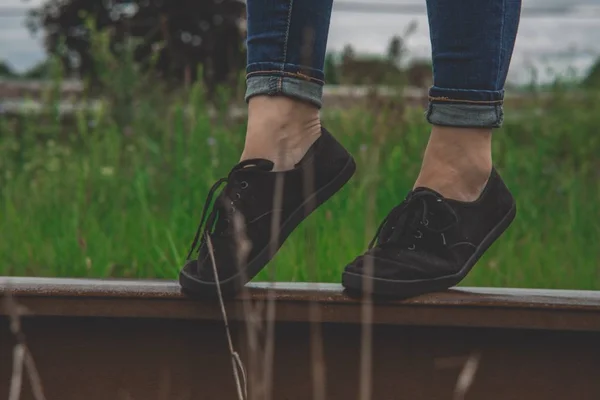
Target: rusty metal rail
119	339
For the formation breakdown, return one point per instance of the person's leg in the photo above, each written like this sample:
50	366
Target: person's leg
459	205
287	40
472	44
290	164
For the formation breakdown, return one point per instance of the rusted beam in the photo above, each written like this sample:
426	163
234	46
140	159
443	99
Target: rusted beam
467	307
145	340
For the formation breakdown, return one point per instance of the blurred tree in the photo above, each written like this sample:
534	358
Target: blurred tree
348	53
331	70
180	35
592	81
40	70
395	48
6	70
419	74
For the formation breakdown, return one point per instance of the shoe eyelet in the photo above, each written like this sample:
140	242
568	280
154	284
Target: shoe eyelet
411	247
238	196
418	235
425	222
244	185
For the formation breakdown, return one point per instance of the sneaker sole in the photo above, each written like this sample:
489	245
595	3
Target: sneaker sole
354	283
231	286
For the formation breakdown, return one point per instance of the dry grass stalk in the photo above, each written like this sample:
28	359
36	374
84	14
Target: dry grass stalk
366	348
366	365
16	382
467	376
251	312
164	387
238	366
316	336
260	333
269	352
22	355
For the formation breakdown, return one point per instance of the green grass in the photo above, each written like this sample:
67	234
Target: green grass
98	200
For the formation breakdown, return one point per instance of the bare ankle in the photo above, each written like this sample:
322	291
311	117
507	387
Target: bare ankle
457	162
280	129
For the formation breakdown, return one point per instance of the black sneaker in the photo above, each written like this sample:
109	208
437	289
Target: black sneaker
429	243
245	208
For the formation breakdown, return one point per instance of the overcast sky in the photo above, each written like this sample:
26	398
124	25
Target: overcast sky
550	41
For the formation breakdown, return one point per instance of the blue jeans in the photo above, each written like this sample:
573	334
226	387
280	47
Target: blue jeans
472	43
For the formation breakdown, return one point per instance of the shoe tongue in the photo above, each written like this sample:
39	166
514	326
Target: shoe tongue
255	164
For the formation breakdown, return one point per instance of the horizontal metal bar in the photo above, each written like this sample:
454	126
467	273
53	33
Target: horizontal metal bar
159	344
460	307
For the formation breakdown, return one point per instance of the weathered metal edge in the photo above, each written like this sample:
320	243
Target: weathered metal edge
321	292
464	307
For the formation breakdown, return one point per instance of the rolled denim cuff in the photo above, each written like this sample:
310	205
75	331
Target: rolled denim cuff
296	88
466	108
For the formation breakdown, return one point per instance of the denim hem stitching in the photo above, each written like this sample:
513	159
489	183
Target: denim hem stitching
286	73
448	99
